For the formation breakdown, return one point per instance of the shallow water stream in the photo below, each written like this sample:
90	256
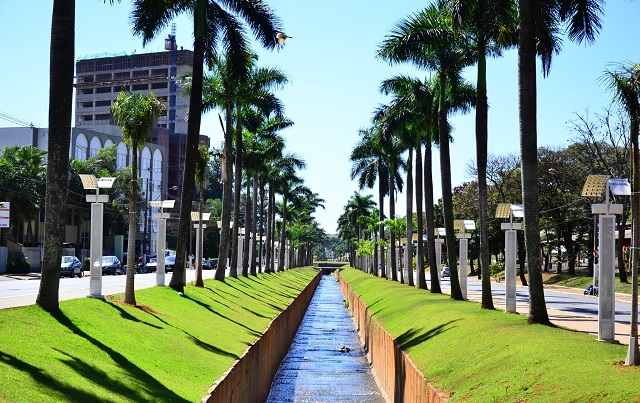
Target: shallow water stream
325	362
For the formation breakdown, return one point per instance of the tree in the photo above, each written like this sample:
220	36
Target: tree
539	24
492	26
369	166
429	40
215	25
202	173
61	68
136	115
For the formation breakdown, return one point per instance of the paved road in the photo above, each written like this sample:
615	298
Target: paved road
22	290
567	307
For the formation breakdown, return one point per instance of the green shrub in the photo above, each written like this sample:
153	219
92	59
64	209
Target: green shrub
496	268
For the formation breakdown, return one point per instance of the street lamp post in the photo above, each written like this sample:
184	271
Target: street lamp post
439	241
506	210
463	236
162	237
90	182
199	226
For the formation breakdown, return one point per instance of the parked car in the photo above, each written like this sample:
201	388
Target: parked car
214	263
71	266
591	290
445	272
151	265
169	263
111	265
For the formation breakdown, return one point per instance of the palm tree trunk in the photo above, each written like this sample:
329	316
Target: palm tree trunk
382	264
392	216
447	202
482	111
529	158
272	202
247	230
199	280
429	215
408	252
283	235
193	134
223	251
263	232
237	191
61	69
269	236
422	283
129	291
254	226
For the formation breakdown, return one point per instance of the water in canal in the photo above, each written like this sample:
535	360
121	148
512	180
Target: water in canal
325	362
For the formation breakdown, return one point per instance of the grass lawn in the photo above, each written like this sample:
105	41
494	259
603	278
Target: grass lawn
491	356
583	281
172	348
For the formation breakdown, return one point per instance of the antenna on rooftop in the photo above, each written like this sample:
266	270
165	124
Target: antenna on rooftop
171	45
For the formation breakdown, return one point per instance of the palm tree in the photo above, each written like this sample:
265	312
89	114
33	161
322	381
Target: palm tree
626	86
492	25
369	166
202	173
136	114
255	90
61	67
429	40
539	24
358	206
215	26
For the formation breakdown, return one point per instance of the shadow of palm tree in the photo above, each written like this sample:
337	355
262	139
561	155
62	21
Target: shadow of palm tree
126	315
411	337
70	392
208	308
152	386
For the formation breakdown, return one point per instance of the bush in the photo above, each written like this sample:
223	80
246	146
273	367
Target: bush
496	268
17	263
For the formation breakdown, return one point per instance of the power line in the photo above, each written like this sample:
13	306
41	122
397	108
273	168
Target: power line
13	119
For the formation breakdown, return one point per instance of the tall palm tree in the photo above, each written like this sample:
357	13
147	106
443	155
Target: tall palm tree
369	166
429	40
539	25
202	173
254	90
136	114
61	67
216	25
625	82
492	26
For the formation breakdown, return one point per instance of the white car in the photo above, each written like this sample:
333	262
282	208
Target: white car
445	272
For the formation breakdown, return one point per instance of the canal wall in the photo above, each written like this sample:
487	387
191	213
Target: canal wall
249	380
397	376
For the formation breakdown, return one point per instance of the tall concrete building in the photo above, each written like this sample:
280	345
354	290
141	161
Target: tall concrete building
100	80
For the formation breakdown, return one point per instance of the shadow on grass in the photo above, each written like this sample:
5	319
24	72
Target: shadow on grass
208	308
413	337
72	393
126	315
152	386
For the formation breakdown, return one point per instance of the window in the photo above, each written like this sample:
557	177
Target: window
140	87
156	86
103	103
103	90
86	104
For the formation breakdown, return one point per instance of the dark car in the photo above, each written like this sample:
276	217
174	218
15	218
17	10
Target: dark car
169	263
214	263
206	264
71	266
111	265
591	290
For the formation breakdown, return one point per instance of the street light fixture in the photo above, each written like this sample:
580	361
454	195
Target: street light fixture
162	236
90	182
463	236
507	210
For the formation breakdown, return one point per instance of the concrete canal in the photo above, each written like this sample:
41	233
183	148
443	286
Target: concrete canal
326	362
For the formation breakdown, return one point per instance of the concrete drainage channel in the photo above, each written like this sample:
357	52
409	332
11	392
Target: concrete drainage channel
325	362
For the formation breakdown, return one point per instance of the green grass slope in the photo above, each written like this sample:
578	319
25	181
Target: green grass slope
171	350
491	356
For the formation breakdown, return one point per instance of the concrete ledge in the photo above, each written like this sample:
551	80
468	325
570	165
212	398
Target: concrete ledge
397	376
249	380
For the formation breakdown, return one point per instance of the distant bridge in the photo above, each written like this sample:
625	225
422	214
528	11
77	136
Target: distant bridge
329	267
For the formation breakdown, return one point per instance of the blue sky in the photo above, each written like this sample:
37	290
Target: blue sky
334	79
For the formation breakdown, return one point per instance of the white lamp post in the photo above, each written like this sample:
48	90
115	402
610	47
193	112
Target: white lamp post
199	226
439	232
463	236
90	182
594	186
162	236
506	210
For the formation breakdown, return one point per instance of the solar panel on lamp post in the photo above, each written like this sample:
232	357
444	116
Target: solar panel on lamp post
90	182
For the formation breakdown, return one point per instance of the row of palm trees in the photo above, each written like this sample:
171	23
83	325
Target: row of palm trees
239	88
444	39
